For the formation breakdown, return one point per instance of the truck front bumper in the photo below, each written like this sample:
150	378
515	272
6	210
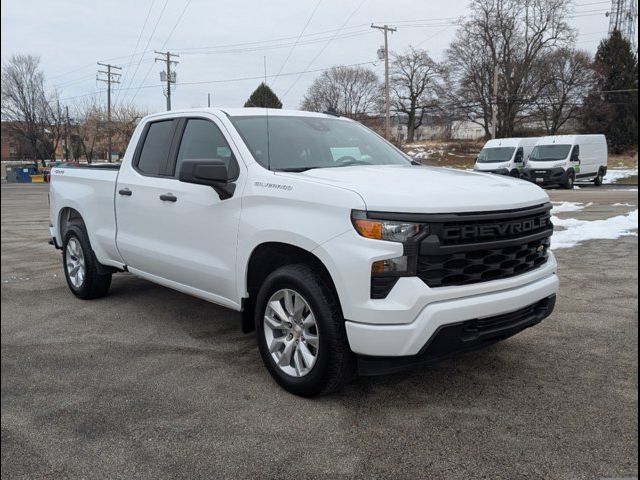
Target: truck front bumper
461	337
451	326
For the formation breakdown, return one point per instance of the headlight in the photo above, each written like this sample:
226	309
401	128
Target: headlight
383	229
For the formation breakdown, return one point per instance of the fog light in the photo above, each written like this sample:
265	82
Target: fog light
390	265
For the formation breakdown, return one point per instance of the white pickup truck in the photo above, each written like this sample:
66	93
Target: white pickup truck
341	254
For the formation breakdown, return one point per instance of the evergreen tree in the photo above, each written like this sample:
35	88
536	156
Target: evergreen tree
263	97
612	106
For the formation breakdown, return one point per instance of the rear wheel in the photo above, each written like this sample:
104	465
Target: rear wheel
599	180
301	334
81	269
569	183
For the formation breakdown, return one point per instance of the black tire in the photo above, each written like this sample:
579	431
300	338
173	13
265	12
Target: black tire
599	180
569	183
96	281
335	363
514	173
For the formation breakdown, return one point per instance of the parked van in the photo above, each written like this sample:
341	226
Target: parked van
505	156
563	159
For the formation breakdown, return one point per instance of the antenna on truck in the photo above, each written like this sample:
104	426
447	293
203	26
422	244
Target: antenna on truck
268	137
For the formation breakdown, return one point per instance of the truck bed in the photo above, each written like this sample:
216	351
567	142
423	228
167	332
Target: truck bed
90	191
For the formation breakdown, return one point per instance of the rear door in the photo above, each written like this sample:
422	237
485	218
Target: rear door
177	231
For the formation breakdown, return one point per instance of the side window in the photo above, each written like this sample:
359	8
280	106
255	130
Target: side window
520	155
155	151
575	155
203	140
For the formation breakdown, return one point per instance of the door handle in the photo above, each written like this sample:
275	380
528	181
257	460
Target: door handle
125	191
168	197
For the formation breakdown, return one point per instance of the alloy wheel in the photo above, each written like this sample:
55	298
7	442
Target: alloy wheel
75	262
291	332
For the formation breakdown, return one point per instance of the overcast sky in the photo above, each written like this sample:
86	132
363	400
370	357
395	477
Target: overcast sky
223	43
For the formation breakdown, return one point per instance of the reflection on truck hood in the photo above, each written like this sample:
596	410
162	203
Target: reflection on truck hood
431	189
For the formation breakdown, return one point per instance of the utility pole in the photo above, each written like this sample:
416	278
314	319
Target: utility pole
167	76
387	95
494	104
109	78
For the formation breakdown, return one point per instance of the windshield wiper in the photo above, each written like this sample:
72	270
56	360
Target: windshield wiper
296	169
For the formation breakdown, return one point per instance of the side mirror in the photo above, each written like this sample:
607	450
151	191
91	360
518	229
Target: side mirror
213	173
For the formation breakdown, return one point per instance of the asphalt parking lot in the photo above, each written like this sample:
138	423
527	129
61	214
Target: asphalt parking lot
151	383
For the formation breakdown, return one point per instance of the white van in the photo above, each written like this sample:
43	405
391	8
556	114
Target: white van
563	159
505	156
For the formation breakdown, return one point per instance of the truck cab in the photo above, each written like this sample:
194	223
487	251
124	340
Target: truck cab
564	159
505	156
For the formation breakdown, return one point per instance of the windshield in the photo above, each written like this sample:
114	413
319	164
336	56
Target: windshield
549	153
495	155
302	143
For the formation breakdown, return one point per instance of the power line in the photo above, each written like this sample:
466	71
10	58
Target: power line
298	39
163	45
344	24
153	32
135	49
230	80
277	46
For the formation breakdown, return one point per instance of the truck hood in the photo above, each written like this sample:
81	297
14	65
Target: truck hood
399	188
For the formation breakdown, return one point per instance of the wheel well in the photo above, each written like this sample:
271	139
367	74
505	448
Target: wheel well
69	216
265	259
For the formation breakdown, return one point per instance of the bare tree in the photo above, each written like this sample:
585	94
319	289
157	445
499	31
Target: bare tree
351	91
510	37
32	115
91	127
413	83
125	118
91	131
566	76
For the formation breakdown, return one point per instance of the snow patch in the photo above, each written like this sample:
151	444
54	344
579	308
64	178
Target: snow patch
623	205
564	207
578	231
613	176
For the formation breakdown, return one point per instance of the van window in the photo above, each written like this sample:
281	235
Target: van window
550	153
155	150
496	155
519	155
575	155
203	140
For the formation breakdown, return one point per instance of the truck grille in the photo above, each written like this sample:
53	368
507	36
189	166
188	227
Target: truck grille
464	249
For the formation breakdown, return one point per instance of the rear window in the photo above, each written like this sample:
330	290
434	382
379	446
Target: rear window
155	150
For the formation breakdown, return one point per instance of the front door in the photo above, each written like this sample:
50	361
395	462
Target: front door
177	231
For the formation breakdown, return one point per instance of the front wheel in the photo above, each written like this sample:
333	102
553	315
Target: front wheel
301	333
514	173
81	269
569	183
